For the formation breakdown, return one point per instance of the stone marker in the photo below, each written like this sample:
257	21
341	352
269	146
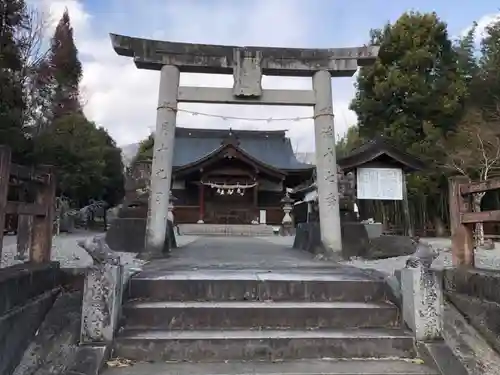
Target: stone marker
422	296
102	293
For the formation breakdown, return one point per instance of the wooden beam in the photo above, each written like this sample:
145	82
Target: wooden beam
462	246
43	226
223	95
24	236
480	217
479	187
22	208
24	232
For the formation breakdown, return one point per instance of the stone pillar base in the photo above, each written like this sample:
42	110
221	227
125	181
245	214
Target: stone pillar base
102	301
422	296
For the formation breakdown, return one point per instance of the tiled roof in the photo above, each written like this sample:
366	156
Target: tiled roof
269	147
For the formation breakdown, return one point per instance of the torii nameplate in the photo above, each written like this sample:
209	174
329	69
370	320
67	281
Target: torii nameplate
247	74
219	59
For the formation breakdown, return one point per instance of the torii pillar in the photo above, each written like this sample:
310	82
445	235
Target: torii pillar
247	65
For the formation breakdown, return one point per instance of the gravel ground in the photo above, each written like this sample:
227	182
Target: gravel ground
489	259
66	251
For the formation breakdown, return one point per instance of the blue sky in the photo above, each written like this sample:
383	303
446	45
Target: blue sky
123	99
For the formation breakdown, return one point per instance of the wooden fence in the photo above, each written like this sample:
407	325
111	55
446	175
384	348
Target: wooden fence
463	220
41	181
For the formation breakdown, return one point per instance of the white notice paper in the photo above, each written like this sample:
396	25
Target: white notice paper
380	183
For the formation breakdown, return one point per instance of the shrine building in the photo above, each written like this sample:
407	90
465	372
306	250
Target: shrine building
233	176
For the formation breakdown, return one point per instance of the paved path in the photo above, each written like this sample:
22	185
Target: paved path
235	253
246	257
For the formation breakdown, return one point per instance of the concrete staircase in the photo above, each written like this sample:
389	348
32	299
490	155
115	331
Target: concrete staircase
257	230
219	322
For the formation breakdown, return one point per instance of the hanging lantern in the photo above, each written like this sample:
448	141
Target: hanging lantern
222	192
238	191
230	191
218	191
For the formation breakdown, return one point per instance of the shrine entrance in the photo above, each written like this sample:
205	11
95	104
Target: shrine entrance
230	202
247	65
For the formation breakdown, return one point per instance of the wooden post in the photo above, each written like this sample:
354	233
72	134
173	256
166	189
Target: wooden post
4	188
406	210
43	225
24	236
462	241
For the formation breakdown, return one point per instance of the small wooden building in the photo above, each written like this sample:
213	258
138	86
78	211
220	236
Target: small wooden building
376	153
379	152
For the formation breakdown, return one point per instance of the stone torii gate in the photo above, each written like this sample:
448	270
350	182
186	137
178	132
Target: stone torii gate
247	64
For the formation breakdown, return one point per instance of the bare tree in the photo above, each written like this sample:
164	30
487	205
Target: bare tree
474	151
34	75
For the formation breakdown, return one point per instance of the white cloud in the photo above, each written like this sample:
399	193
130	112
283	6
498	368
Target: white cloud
482	24
123	98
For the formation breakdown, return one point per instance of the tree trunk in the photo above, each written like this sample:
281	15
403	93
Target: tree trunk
476	207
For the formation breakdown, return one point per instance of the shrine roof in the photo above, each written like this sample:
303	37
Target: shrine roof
382	151
270	147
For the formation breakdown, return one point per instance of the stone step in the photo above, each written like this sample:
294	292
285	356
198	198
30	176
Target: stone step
249	230
260	315
274	345
218	286
304	367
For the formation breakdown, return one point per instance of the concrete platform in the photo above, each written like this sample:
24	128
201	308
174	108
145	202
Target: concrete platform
235	253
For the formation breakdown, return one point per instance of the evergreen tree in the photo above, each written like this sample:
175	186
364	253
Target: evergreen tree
12	17
467	59
87	161
489	65
348	142
145	151
66	70
414	94
416	79
113	183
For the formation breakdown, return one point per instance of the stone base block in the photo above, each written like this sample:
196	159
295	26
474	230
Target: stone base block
422	297
354	239
355	242
308	237
128	234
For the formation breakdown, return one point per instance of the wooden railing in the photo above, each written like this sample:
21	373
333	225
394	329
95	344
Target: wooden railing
463	220
38	237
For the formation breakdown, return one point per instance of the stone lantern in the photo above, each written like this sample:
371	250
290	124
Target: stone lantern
287	221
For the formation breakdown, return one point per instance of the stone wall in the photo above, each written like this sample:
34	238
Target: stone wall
27	292
476	294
